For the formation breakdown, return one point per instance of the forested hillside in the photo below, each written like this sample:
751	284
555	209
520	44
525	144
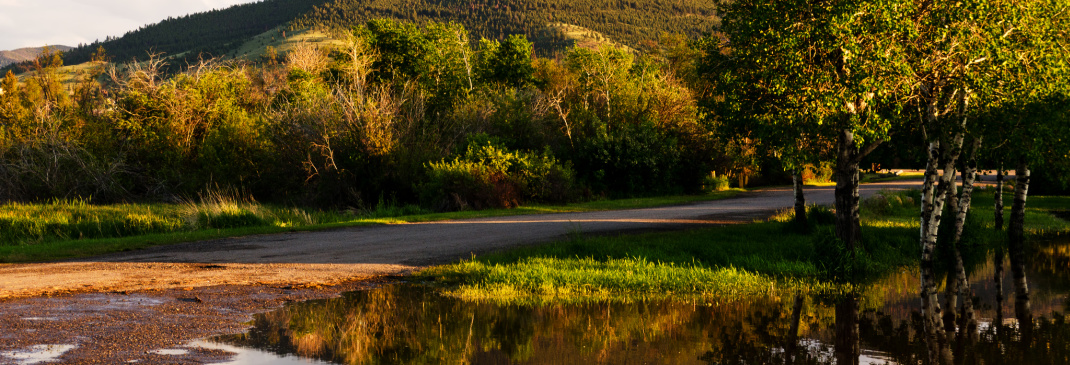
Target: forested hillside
630	22
219	32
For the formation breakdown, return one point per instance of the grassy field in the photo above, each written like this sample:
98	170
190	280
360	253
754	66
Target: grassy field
584	37
774	257
72	228
283	41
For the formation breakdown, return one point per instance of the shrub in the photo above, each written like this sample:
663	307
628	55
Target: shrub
634	160
712	183
490	176
892	203
821	173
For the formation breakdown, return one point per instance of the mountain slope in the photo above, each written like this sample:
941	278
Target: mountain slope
187	38
552	25
630	22
24	54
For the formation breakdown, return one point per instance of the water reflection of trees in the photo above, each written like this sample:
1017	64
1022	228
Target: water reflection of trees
412	324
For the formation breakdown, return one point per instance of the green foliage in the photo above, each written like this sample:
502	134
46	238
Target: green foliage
818	217
890	203
714	183
490	176
839	265
343	123
438	56
508	63
631	160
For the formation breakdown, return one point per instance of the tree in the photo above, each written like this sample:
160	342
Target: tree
12	110
970	62
508	62
438	57
808	67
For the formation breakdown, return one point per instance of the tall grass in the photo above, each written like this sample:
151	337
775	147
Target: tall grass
24	224
61	220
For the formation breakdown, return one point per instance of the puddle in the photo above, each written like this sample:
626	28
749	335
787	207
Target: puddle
408	323
251	356
37	354
170	352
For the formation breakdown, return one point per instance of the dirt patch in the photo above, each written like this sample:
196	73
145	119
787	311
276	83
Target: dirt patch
30	280
121	327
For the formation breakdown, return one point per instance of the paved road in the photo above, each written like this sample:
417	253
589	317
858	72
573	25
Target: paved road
329	257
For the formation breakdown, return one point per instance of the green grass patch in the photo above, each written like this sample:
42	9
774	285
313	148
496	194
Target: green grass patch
766	258
542	278
65	229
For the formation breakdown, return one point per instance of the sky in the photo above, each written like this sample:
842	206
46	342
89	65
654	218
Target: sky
36	23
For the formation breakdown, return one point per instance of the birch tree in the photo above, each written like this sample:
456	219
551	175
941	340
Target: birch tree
809	68
969	58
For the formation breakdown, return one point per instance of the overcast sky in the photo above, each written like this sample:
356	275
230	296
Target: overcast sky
35	23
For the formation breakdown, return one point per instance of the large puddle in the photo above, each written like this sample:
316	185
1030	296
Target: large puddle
412	324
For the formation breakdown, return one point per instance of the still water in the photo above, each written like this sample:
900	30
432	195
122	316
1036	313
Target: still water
412	324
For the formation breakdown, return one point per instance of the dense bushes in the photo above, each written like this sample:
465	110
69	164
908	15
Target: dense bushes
631	161
490	176
397	111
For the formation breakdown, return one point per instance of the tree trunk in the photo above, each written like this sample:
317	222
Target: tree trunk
998	260
934	193
951	286
847	347
800	199
969	176
1016	243
792	345
999	199
848	225
967	325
